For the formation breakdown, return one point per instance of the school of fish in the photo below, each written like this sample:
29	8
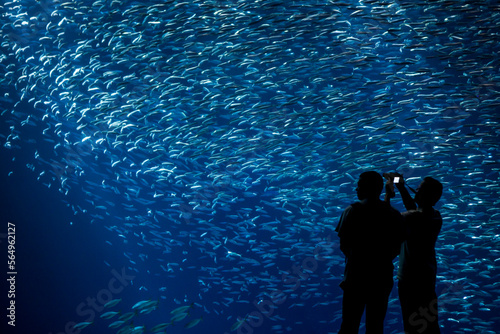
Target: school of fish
219	141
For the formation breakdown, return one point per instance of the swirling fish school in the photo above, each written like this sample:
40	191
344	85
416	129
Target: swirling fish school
218	140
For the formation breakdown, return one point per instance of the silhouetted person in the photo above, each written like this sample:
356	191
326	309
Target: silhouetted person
370	238
417	260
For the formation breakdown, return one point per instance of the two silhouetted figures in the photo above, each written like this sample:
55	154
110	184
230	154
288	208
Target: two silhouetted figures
372	234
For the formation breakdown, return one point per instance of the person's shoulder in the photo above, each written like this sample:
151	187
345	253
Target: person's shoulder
394	214
356	205
410	213
352	207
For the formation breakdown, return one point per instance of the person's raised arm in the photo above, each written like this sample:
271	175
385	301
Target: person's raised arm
389	187
389	191
408	201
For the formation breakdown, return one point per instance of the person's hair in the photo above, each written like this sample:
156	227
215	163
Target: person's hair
372	182
433	189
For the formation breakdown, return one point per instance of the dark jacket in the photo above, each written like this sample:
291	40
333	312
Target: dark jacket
417	261
370	235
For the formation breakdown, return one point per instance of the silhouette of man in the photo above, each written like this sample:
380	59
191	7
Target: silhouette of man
370	238
417	260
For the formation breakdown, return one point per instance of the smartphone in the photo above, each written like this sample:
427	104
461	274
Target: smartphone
396	179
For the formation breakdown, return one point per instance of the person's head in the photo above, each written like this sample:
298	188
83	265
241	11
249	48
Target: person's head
370	185
429	192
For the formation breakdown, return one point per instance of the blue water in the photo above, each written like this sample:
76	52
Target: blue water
200	153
